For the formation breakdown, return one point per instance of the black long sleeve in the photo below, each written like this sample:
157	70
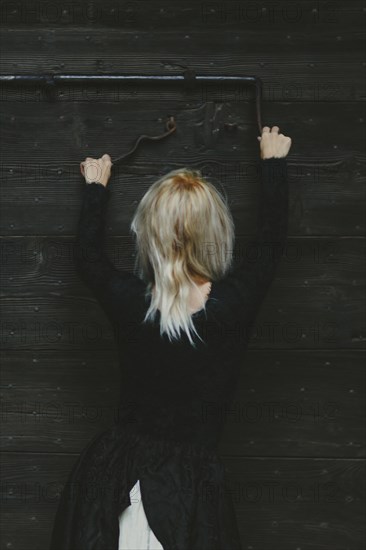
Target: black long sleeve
256	269
251	278
111	286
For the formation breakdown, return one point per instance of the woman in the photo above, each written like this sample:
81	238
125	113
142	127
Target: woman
182	322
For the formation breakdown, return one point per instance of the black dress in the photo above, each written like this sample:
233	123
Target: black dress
172	396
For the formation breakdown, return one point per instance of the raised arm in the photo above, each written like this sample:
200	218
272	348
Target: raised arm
256	269
110	286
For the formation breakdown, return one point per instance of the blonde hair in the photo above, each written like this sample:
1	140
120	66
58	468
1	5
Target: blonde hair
184	231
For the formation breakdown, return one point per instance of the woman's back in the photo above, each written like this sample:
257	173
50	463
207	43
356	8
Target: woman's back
168	387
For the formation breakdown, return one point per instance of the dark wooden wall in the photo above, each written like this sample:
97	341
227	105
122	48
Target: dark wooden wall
294	443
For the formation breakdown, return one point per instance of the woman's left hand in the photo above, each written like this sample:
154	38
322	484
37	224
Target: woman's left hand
97	169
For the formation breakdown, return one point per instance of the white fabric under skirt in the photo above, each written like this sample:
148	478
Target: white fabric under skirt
134	530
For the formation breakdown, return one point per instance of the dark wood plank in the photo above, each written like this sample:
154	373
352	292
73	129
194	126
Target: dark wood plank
54	49
324	198
52	136
326	175
284	405
171	14
45	263
294	68
315	301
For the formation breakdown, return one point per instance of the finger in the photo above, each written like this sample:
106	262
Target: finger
82	168
275	129
259	138
106	157
265	129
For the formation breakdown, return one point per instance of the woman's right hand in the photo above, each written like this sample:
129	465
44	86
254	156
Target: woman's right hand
273	144
97	169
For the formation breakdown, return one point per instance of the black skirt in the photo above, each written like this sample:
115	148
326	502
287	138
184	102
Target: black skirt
185	497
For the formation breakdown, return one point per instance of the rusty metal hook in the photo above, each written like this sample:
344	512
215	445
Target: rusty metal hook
170	125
